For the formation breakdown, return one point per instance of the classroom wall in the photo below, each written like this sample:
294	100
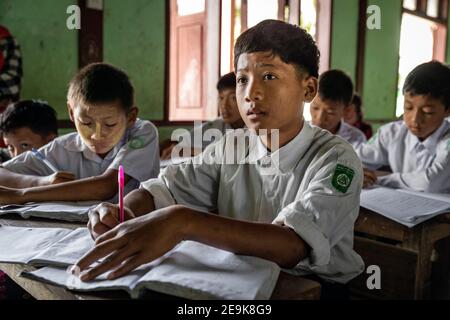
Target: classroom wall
134	39
381	62
344	38
49	49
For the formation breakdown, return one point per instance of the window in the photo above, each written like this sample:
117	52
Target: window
199	45
423	22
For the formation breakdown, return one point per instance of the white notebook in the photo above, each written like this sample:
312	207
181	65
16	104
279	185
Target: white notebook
191	270
406	207
67	211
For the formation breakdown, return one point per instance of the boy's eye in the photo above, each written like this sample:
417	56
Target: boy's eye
25	146
111	125
269	77
241	80
85	123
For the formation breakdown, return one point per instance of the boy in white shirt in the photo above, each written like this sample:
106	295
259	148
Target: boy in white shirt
299	213
328	107
101	104
417	149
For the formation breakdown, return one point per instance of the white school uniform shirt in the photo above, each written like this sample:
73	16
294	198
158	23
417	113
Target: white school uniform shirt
315	191
137	152
421	166
351	134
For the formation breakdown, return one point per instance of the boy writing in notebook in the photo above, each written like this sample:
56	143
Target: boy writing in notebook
300	215
101	104
28	124
328	107
417	148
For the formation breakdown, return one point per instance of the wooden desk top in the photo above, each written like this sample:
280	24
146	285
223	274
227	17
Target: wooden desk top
288	286
375	224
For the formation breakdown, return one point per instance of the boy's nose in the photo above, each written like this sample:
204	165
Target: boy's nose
417	117
97	134
254	92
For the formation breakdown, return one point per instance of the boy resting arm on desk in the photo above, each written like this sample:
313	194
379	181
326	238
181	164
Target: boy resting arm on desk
101	104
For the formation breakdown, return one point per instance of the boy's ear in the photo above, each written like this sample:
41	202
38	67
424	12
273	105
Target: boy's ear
310	84
132	116
70	110
49	137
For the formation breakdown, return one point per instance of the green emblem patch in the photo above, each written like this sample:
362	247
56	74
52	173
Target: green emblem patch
137	143
448	145
342	178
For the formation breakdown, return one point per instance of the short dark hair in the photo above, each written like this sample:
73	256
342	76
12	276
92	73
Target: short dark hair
36	115
431	79
336	85
227	81
100	83
292	44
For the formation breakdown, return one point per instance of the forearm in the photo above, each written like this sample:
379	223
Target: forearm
272	242
16	180
94	188
140	202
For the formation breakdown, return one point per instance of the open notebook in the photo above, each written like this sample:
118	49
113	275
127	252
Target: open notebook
67	211
406	207
191	270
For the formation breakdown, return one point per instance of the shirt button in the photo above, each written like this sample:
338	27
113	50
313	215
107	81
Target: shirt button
266	160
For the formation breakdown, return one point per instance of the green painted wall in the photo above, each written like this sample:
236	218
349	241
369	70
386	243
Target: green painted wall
344	38
134	39
49	49
381	62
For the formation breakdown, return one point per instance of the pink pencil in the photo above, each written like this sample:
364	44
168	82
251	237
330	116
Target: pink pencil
121	180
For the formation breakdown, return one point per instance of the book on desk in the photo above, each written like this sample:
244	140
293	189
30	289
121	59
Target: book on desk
403	206
190	270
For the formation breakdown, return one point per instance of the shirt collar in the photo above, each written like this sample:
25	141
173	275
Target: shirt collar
342	128
431	142
77	145
288	156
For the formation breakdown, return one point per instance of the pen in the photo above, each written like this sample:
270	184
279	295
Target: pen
41	157
121	180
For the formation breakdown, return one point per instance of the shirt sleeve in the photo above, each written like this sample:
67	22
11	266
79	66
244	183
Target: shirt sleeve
140	155
435	178
193	183
326	211
373	154
28	163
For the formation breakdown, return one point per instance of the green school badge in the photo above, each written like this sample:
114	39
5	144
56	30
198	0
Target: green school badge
137	143
342	178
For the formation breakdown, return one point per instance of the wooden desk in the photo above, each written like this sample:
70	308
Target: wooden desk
288	286
414	262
